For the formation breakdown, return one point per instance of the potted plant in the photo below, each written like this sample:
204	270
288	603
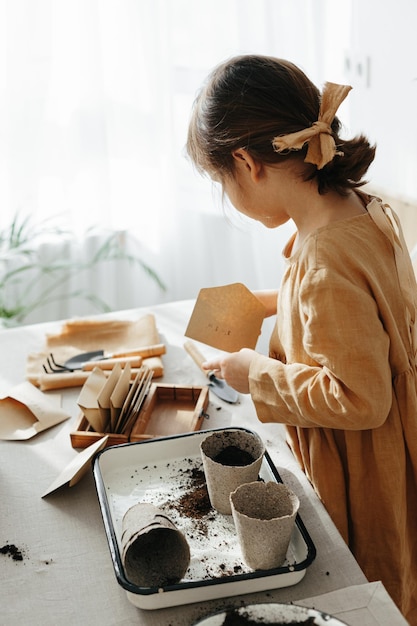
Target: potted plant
28	282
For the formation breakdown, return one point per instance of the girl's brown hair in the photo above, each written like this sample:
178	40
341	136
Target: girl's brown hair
251	99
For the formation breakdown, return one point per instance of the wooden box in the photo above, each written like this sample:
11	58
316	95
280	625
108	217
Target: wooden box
83	435
170	410
167	410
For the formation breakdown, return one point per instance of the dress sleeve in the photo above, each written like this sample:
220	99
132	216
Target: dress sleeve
337	372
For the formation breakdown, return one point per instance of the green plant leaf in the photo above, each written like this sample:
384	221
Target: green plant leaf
19	249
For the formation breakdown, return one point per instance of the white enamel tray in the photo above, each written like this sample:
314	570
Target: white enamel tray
157	471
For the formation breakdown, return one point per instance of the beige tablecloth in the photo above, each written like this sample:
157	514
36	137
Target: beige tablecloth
66	574
359	605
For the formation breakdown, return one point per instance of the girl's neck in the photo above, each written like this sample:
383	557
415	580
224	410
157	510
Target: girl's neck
321	210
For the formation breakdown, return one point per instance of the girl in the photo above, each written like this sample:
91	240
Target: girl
342	372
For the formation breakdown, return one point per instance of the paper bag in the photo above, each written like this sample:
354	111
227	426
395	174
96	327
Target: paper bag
228	318
26	411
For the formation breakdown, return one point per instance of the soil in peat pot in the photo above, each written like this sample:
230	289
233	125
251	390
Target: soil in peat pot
233	456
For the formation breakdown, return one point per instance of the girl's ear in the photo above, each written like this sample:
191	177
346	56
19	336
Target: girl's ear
252	166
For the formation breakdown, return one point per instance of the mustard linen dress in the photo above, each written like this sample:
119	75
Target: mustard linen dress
344	381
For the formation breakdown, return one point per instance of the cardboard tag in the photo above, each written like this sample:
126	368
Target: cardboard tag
228	318
103	398
76	469
119	395
88	399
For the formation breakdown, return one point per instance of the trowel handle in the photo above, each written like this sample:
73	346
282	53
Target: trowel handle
108	364
195	354
145	351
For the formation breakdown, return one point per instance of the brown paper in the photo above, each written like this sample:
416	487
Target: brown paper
26	411
84	335
119	396
108	335
111	403
88	399
228	318
134	400
103	398
76	469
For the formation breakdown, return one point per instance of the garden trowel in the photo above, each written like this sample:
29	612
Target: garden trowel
217	385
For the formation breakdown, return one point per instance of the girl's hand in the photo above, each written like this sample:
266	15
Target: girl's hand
233	368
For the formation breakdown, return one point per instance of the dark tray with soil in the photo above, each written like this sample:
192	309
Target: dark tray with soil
168	473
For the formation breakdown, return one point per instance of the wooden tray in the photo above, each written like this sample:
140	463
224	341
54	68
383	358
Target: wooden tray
168	410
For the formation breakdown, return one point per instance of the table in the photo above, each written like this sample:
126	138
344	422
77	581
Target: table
66	574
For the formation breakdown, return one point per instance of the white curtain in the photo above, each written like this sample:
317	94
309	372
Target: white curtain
95	97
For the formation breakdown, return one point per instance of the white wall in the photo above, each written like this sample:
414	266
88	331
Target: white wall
383	103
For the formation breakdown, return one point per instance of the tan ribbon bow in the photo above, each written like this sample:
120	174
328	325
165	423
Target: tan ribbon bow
321	145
